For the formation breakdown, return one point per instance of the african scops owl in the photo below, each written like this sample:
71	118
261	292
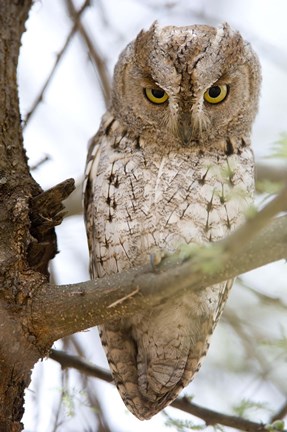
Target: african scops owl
171	164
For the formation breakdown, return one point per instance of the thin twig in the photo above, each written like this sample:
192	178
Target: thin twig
91	394
59	57
184	404
44	159
121	300
94	53
255	224
247	340
57	412
67	360
280	414
264	298
213	418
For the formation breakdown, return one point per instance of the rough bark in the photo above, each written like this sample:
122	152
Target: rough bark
24	246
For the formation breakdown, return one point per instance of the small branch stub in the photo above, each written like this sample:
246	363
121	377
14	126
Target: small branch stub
46	212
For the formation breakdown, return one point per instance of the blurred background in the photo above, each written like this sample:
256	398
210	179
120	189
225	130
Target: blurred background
65	69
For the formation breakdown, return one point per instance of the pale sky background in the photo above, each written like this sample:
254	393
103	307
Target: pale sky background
70	115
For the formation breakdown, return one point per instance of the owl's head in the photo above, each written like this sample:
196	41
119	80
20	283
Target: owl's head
187	86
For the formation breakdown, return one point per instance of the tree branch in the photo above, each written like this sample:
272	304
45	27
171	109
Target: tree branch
82	305
210	417
281	413
71	361
59	57
254	225
96	57
213	418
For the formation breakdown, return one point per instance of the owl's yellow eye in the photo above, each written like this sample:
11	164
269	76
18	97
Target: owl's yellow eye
216	94
156	95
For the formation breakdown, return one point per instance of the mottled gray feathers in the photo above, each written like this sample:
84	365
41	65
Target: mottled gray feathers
171	164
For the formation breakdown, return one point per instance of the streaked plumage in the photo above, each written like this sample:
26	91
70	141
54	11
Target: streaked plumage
162	175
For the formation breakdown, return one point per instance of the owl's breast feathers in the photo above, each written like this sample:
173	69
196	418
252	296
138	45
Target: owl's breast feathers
140	198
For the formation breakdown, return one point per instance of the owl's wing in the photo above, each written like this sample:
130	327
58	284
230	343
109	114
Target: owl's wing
90	174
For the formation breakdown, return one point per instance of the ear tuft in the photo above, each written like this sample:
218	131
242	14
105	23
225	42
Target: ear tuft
144	43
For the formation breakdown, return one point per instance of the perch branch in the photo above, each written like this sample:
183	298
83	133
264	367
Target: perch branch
82	305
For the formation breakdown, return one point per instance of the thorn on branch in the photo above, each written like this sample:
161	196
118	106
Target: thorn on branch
44	159
46	212
121	300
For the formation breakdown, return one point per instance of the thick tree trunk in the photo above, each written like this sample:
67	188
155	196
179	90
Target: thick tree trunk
18	351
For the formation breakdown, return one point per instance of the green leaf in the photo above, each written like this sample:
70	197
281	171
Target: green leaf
246	405
182	425
277	425
279	150
269	187
68	402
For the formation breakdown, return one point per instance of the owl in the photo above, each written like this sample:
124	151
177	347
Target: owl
170	165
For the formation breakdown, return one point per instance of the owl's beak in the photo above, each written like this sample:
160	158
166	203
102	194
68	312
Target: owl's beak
185	128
